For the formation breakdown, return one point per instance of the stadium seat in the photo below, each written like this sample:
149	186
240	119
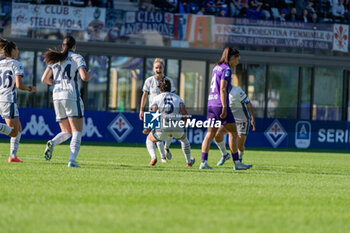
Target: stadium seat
275	13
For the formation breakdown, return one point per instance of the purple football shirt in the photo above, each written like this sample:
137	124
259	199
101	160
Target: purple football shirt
220	72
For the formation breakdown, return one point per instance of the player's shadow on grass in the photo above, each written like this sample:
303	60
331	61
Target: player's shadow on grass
194	170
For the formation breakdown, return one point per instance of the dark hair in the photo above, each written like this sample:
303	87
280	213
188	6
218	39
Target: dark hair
227	54
6	47
164	85
54	56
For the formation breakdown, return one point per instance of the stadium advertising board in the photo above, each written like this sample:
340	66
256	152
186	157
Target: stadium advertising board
28	16
99	126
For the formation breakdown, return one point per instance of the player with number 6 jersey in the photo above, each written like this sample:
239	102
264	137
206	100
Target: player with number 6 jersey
11	73
64	66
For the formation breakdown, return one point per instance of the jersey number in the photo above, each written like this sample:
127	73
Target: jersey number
168	105
65	75
6	76
213	84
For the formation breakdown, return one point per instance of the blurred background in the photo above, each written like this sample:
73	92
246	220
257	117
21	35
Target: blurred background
294	54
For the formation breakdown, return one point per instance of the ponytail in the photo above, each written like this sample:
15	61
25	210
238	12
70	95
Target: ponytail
227	54
53	56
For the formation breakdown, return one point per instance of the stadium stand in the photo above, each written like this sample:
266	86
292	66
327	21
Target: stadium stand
318	11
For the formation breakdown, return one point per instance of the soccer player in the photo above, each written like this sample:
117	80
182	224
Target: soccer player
242	111
151	90
219	110
11	74
64	67
172	109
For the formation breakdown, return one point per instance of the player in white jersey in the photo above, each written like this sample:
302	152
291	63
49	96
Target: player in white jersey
11	74
64	67
151	90
242	111
172	109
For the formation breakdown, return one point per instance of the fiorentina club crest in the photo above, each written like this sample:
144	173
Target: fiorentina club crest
275	133
340	37
120	127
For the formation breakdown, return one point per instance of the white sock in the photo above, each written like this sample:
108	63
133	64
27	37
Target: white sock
222	147
14	143
60	138
168	142
151	148
5	129
160	146
241	153
75	145
186	149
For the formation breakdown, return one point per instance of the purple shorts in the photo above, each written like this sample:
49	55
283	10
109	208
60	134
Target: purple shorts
215	112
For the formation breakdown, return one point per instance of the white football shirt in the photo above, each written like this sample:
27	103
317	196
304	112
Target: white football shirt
65	76
238	104
151	87
168	105
9	69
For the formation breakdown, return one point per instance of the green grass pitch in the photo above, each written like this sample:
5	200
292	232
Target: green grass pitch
116	191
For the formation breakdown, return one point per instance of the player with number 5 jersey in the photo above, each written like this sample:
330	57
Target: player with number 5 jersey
64	66
11	74
150	89
172	109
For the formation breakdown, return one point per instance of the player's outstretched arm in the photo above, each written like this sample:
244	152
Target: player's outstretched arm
143	103
46	78
252	117
21	86
85	75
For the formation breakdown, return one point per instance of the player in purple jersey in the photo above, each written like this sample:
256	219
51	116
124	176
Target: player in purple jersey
218	107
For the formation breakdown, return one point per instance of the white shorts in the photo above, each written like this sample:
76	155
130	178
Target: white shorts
8	110
162	134
68	109
243	127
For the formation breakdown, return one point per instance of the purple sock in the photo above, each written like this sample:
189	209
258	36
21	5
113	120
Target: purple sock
235	156
204	156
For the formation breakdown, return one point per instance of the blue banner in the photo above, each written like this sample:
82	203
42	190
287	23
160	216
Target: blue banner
148	22
121	127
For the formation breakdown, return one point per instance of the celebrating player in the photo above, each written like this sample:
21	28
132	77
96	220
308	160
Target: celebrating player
64	66
171	108
11	73
151	90
218	107
242	111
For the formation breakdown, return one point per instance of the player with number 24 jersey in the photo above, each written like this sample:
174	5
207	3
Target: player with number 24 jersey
65	77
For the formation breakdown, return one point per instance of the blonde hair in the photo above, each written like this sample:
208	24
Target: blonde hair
158	60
